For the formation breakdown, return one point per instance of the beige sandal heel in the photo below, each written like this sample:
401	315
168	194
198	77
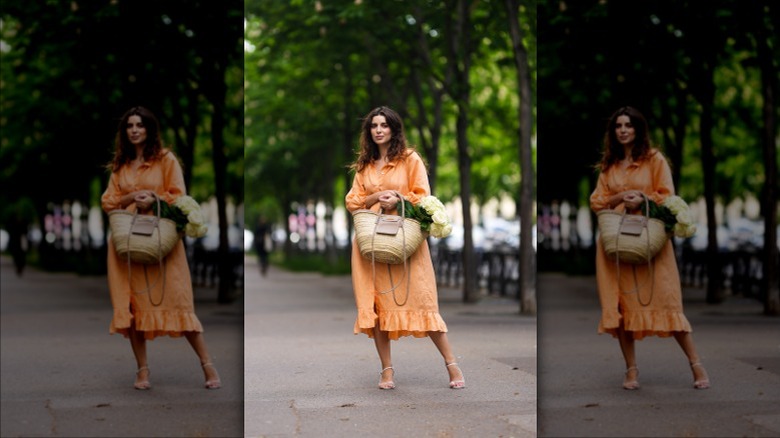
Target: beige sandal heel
386	385
631	384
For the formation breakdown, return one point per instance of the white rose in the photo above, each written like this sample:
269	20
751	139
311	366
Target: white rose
431	204
426	204
684	230
186	204
683	217
440	217
437	230
196	217
675	204
447	230
195	230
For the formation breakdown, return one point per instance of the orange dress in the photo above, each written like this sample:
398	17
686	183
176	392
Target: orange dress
420	314
619	305
131	304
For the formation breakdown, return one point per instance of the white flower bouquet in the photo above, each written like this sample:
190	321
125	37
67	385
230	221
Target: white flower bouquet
431	214
675	214
186	212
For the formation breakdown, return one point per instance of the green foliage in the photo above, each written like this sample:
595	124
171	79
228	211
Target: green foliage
167	211
71	69
659	212
419	214
313	69
598	56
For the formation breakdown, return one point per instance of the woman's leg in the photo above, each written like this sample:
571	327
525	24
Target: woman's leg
382	342
443	344
198	344
685	339
138	343
629	355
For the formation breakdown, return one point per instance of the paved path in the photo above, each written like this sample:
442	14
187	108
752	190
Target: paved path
580	392
308	375
63	375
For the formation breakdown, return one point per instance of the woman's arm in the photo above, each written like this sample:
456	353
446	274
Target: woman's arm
113	199
603	198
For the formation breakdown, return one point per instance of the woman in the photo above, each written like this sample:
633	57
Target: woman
142	167
384	165
629	168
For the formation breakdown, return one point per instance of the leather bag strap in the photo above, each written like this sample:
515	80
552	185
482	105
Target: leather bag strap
148	289
650	264
407	268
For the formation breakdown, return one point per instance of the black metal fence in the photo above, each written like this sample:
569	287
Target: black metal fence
567	244
498	269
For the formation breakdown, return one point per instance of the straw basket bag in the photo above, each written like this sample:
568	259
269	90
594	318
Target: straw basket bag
386	238
141	238
633	239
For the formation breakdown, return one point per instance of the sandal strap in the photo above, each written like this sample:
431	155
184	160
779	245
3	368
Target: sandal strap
141	369
387	368
452	364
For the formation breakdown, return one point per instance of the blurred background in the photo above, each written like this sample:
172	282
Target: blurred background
705	75
462	76
69	72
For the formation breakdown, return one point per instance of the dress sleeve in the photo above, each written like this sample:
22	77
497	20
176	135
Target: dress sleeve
419	187
173	179
599	199
663	185
111	197
356	198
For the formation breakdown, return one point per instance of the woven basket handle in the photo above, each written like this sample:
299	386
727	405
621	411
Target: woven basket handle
407	268
159	257
650	271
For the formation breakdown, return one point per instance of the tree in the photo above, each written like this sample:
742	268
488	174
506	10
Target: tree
527	265
70	70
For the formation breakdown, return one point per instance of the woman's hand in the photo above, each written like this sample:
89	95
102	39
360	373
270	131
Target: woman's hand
388	200
143	200
633	199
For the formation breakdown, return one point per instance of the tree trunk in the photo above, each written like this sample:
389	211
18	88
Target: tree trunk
714	270
675	117
769	207
470	286
527	257
220	172
349	129
458	28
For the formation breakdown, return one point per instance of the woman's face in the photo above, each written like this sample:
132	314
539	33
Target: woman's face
380	131
624	130
136	131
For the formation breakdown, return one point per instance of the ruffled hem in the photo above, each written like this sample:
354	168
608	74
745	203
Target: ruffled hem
154	324
366	320
648	323
399	323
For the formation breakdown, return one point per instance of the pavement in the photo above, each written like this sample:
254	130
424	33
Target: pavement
581	372
291	367
63	375
308	375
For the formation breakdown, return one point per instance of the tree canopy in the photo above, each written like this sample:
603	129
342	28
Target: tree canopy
313	69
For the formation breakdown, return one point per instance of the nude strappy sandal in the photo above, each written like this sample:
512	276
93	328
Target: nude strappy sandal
386	385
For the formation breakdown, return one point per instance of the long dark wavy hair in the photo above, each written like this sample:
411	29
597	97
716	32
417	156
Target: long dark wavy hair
613	150
369	151
124	151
